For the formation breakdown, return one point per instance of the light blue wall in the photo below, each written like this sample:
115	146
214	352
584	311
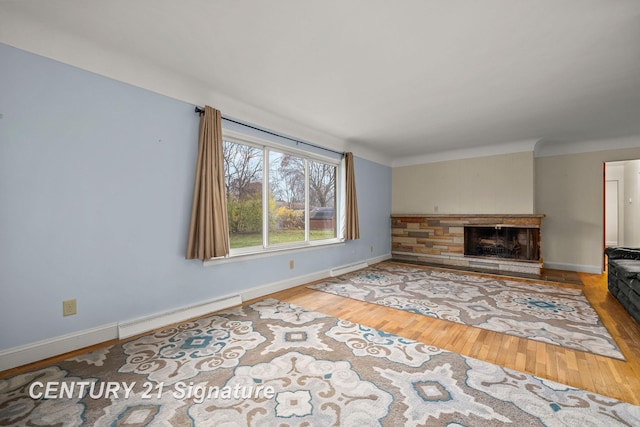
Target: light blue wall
96	180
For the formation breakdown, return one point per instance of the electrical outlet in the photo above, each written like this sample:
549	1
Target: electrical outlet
290	264
69	307
371	248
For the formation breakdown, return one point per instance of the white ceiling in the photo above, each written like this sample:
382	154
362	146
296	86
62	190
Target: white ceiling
404	79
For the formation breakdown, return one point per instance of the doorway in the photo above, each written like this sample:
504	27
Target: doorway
622	203
612	213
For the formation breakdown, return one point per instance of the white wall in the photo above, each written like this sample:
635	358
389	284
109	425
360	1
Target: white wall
614	201
631	203
627	175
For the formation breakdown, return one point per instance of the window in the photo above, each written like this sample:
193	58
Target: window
243	171
278	197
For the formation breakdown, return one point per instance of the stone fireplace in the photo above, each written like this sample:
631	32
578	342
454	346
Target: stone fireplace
509	242
502	241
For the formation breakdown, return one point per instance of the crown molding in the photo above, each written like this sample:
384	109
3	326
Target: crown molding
468	153
548	149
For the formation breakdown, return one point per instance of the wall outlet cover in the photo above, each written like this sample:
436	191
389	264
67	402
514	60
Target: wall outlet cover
69	307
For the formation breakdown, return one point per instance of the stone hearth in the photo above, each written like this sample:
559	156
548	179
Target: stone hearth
440	239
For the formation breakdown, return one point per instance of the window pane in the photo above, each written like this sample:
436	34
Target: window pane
243	180
322	201
286	198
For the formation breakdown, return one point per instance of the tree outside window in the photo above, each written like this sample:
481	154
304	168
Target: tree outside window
298	188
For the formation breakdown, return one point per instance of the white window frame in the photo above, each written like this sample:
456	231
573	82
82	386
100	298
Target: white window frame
266	249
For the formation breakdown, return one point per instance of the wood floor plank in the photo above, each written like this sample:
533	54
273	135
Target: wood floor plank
611	377
619	379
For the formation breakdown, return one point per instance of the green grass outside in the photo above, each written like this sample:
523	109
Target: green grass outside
243	240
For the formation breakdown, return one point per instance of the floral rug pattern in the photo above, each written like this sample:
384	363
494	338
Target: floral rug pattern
321	370
551	314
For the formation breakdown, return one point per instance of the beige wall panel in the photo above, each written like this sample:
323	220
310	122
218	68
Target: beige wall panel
569	190
485	185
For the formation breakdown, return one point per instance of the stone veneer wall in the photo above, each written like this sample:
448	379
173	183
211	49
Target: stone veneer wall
439	239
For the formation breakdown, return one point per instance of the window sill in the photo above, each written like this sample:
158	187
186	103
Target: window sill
273	251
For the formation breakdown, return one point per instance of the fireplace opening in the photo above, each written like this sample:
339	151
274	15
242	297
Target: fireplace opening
502	241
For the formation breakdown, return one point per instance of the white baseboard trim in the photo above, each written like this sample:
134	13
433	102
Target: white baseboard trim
159	320
593	269
260	291
347	269
378	259
22	355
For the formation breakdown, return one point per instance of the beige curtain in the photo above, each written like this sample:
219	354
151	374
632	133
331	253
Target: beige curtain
209	230
352	228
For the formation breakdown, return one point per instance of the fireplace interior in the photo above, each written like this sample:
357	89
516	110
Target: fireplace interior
502	241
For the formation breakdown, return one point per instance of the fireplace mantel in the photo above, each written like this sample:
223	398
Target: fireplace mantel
439	239
467	216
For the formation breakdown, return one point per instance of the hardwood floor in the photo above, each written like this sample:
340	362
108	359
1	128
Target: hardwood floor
610	377
546	274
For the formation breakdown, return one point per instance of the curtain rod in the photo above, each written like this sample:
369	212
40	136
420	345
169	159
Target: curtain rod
200	111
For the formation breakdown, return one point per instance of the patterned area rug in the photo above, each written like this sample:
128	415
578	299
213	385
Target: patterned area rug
274	364
544	313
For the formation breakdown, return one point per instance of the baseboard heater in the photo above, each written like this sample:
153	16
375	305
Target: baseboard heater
160	320
348	269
